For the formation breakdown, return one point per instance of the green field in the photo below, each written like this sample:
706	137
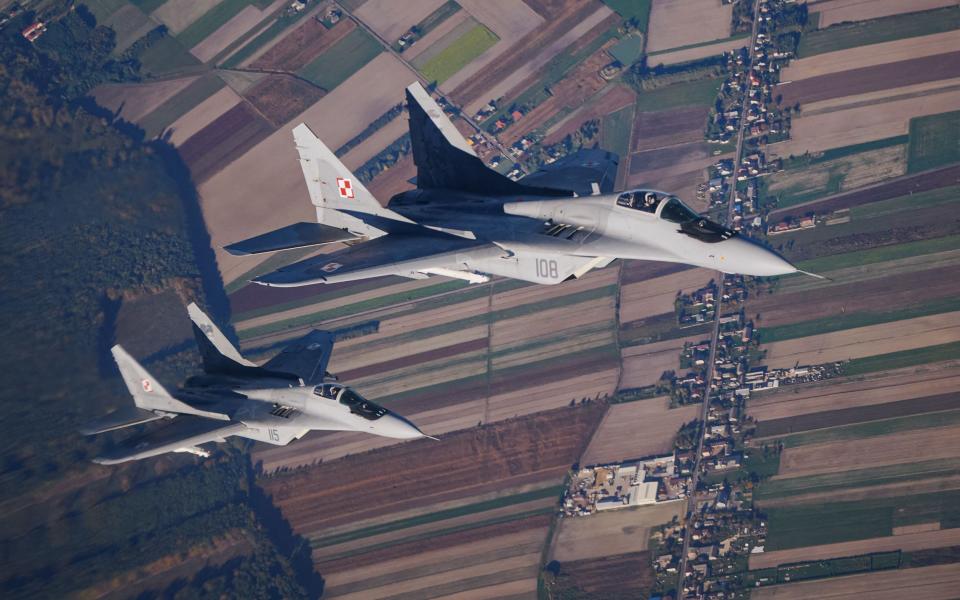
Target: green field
166	56
938	197
339	62
825	264
628	50
102	9
806	160
934	141
691	93
147	6
632	9
906	358
828	523
458	54
852	320
615	132
849	35
742	36
181	104
440	515
210	22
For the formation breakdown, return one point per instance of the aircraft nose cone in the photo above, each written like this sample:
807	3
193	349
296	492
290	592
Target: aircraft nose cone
747	258
394	426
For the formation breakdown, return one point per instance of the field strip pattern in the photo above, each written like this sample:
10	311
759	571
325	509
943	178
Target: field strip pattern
939	582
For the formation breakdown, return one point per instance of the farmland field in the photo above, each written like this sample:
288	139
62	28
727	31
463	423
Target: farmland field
838	11
932	583
675	23
934	141
180	104
850	35
693	93
637	429
456	56
342	60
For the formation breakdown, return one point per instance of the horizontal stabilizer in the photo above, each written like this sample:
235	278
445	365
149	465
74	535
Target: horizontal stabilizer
298	235
183	434
126	416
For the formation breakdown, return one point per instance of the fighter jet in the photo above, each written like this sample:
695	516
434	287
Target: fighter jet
467	221
278	402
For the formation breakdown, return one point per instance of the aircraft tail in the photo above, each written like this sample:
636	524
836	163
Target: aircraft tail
147	392
341	199
216	351
445	160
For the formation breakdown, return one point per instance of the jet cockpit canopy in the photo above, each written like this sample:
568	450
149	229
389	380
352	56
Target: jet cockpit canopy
670	208
357	404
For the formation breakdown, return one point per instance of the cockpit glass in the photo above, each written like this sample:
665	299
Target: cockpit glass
643	200
677	211
327	390
359	405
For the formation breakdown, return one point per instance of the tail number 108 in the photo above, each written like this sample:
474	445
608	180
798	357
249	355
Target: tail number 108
547	268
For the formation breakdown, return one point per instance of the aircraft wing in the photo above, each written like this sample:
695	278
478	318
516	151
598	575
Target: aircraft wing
184	432
579	172
307	357
403	253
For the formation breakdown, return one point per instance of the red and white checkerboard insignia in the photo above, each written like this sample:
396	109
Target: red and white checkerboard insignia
147	386
346	187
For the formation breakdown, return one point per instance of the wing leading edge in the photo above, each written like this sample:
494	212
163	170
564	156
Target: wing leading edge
183	434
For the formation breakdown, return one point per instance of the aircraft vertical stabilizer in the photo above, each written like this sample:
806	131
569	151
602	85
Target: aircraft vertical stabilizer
218	354
333	188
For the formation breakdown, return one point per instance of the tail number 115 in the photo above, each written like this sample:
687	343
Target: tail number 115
547	268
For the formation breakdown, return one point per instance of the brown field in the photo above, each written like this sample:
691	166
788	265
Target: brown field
934	484
858	414
229	32
674	160
420	571
394	180
528	52
879	389
885	338
669	127
548	323
552	394
930	583
679	56
637	429
906	542
618	98
418	473
867	83
177	15
862	123
643	365
392	19
372	146
840	11
302	45
871	295
633	271
884	191
137	100
883	450
872	55
482	536
611	532
280	98
675	23
233	200
202	115
224	140
619	574
656	296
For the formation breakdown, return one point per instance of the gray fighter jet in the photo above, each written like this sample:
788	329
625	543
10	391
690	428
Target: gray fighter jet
290	395
467	221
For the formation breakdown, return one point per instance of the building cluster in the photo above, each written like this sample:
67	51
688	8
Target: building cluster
697	307
635	483
759	379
